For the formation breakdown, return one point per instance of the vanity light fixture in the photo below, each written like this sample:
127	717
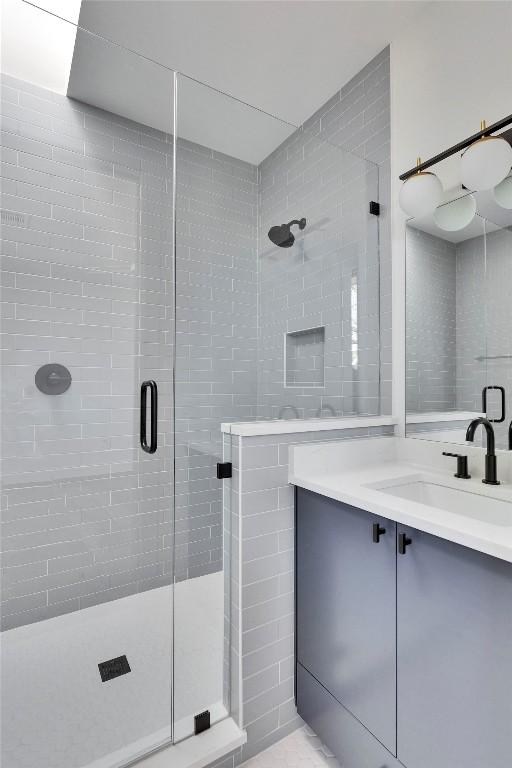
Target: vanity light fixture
502	193
421	193
486	162
457	214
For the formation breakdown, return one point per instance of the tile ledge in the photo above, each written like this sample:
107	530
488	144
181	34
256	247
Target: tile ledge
435	417
289	426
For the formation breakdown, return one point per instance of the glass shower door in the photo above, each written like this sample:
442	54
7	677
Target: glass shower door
87	471
220	142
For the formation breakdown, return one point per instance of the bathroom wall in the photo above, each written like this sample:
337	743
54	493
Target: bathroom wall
87	283
260	503
86	271
471	326
309	285
85	518
216	316
431	323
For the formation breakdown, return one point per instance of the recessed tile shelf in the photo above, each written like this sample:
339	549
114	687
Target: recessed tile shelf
304	358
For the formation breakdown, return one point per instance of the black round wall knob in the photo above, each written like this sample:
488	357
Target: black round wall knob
53	379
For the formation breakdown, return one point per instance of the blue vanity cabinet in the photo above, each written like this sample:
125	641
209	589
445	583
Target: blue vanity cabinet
454	656
346	615
403	647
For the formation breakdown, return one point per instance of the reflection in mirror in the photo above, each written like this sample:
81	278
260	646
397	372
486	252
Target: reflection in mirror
498	288
458	320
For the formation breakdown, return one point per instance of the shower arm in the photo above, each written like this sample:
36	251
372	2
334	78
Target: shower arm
301	223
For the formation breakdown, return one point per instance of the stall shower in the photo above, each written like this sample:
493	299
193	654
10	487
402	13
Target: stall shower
144	306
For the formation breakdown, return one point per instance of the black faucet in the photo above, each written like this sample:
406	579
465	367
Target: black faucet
462	465
510	436
490	457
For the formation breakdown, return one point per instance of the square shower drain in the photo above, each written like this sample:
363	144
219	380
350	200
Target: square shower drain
113	668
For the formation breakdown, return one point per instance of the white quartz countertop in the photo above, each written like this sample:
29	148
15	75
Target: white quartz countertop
347	470
290	426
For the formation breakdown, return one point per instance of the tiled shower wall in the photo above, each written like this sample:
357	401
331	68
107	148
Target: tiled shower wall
86	516
431	322
451	325
459	324
86	271
471	325
484	323
308	285
499	323
261	505
216	337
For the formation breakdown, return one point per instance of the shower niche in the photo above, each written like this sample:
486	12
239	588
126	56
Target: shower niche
305	358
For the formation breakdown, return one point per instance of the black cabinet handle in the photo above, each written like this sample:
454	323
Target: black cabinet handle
403	543
377	532
151	385
501	390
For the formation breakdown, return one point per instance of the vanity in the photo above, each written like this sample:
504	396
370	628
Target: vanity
403	604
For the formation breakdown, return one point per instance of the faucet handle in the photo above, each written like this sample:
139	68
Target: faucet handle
462	465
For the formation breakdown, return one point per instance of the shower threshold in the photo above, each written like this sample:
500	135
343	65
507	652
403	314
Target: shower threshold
198	751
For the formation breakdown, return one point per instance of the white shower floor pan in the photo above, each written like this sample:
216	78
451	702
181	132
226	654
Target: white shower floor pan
56	711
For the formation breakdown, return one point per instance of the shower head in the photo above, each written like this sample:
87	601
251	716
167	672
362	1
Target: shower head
281	234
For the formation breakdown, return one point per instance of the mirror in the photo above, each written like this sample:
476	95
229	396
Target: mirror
459	319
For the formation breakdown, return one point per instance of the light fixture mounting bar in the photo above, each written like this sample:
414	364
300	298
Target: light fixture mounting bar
457	147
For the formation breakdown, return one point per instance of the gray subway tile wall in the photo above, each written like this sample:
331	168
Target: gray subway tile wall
499	323
471	323
456	339
87	282
260	504
94	193
216	335
86	265
459	325
431	318
305	358
310	285
484	323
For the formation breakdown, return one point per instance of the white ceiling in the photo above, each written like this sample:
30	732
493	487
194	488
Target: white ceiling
126	84
286	58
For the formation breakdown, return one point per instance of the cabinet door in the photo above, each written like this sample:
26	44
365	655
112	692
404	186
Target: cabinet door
454	633
346	608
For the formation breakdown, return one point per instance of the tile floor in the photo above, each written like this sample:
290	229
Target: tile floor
301	749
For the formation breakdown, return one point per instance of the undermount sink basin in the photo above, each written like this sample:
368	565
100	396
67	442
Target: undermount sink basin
459	501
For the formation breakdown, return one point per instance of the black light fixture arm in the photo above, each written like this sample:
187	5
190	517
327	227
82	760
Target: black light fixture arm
457	147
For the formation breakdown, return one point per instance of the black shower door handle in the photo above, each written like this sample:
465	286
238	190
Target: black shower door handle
151	385
501	390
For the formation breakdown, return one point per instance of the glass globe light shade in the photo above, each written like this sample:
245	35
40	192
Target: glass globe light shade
502	193
456	215
420	194
486	163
